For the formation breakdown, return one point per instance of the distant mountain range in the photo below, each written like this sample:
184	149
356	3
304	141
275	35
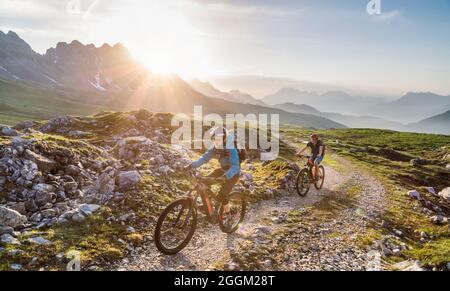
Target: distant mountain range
234	95
332	101
352	121
435	124
107	77
413	107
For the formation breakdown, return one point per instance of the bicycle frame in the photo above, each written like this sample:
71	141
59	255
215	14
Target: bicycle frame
205	195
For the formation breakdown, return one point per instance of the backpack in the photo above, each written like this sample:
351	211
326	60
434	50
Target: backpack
242	153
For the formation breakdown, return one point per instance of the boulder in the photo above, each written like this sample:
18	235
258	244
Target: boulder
106	183
11	218
408	266
128	179
431	191
9	239
7	131
73	171
44	164
6	229
414	194
445	193
88	209
439	219
78	217
44	197
39	241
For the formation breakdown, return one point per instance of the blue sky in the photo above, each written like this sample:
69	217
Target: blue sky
406	48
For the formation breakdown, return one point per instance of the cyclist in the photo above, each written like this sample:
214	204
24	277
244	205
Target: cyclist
317	152
225	151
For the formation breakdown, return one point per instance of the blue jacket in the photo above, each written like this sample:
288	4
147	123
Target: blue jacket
229	163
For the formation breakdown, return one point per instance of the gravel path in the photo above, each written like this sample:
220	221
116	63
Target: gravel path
318	232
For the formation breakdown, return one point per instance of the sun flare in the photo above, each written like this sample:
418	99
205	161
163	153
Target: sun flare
165	42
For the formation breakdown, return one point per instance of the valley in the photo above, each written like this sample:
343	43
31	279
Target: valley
101	181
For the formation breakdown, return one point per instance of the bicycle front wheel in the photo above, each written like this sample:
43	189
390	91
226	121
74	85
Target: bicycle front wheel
176	227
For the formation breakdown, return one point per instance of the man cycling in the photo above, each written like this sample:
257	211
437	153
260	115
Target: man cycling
228	156
317	152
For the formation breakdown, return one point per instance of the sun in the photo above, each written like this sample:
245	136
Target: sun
159	62
164	40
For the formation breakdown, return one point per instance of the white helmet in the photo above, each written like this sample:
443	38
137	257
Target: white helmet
218	135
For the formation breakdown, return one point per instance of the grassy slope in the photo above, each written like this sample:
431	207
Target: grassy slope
24	101
362	146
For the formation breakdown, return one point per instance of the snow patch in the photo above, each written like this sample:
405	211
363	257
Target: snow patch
97	84
14	76
52	80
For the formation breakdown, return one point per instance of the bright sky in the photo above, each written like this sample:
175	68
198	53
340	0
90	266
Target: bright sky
406	48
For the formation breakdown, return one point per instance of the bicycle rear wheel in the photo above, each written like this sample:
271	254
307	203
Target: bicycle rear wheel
176	226
321	174
230	222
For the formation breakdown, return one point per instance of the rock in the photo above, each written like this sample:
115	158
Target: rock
165	169
49	213
25	125
439	219
106	181
127	180
31	206
78	134
132	119
44	164
448	266
16	267
78	217
88	209
6	230
267	264
39	241
414	194
9	239
73	171
43	187
11	218
43	197
411	266
420	162
36	217
431	191
7	131
19	207
445	193
398	233
131	229
127	217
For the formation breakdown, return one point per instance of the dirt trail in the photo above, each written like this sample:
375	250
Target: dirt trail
280	234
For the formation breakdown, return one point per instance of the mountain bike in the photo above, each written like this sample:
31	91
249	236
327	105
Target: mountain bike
177	223
305	178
